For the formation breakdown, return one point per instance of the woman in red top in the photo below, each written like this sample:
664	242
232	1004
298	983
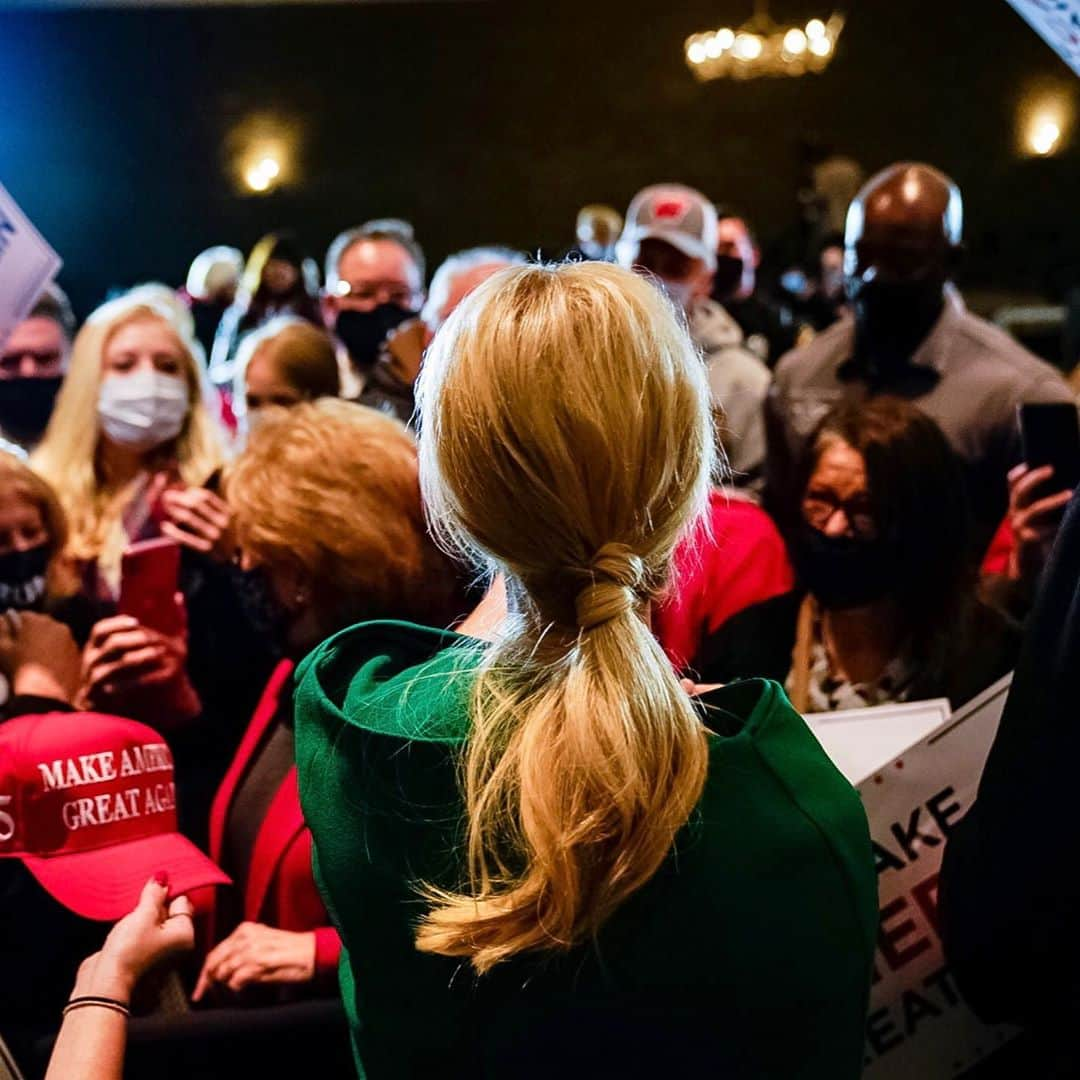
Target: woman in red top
328	520
733	559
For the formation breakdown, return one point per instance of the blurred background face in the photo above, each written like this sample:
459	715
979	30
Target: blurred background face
265	385
374	272
280	277
221	284
143	345
686	279
832	272
734	242
464	283
22	527
837	497
36	349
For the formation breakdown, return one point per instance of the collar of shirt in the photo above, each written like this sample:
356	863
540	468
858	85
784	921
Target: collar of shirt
934	354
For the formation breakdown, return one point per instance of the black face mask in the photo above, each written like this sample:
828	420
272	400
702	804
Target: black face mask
892	318
842	572
363	332
22	579
265	614
728	277
26	405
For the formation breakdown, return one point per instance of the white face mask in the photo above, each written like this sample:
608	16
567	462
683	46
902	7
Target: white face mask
143	409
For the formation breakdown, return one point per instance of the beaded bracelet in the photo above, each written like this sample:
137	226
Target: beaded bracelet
91	1000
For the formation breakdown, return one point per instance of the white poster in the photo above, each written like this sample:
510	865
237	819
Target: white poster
918	1025
860	741
1058	23
27	265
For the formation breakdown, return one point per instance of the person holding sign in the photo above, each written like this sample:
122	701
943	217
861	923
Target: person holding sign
544	857
886	608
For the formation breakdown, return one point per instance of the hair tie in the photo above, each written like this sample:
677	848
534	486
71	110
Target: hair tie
616	573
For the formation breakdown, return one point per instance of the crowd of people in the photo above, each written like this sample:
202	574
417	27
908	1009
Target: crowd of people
416	669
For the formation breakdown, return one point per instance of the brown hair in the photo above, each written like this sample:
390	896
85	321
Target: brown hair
566	440
354	471
919	503
60	578
303	355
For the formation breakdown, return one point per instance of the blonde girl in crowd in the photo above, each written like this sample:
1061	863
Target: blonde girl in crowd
134	453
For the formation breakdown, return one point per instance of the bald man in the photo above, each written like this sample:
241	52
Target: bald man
910	336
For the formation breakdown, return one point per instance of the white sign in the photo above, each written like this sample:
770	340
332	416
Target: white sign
1058	24
918	1025
860	741
27	265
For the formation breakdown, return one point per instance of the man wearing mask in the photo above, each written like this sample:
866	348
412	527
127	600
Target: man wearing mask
374	284
32	366
767	327
910	336
670	233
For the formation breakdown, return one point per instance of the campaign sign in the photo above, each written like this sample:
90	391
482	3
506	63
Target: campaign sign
1058	23
860	741
27	265
918	1025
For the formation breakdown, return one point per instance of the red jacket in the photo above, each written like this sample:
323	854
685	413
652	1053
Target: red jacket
734	559
280	889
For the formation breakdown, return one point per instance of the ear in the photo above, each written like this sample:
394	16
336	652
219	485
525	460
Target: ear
757	257
329	306
293	588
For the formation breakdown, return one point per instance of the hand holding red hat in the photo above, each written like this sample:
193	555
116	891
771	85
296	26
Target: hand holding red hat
137	943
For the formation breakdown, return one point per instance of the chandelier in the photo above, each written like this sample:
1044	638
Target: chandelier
762	47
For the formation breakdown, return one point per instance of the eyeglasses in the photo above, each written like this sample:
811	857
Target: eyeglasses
819	508
12	362
375	292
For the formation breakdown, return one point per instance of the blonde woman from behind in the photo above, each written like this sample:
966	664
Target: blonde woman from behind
544	858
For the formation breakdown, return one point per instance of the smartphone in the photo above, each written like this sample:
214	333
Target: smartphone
149	577
1050	435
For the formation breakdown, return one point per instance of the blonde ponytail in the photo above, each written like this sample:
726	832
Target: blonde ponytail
566	440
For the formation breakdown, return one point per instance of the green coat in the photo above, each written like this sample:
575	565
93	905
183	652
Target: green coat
747	955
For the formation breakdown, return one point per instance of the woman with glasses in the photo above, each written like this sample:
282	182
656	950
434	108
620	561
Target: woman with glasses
886	609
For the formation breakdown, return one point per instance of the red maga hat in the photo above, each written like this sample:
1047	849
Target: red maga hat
88	803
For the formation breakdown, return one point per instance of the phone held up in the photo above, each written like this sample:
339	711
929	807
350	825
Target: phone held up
1050	435
149	578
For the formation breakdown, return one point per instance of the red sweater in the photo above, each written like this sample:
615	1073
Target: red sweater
743	562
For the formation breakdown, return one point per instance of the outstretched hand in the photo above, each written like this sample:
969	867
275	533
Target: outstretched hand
156	929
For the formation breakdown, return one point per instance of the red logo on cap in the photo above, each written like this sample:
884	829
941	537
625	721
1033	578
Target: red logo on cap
671	208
